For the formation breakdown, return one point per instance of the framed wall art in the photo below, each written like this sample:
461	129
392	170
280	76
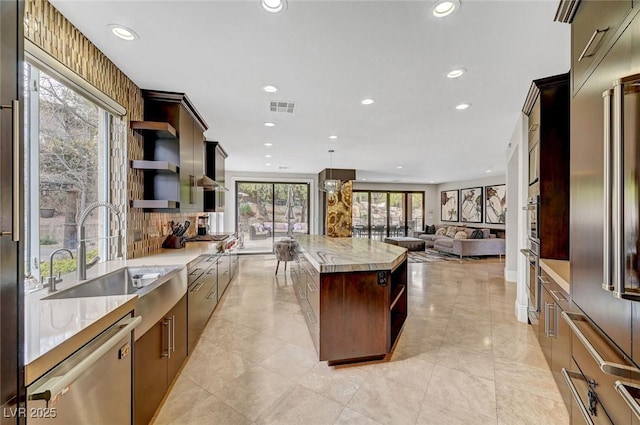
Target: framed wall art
449	205
495	204
471	205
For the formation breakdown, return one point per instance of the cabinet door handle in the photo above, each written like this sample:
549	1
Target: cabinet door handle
590	42
17	172
632	402
546	319
166	352
197	287
173	333
607	283
552	331
568	375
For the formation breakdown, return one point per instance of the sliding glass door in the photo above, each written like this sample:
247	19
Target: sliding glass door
378	215
269	211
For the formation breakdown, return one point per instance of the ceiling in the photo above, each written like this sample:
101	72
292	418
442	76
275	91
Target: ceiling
326	56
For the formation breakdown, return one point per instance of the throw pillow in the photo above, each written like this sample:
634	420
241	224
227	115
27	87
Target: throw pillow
441	231
430	230
260	228
460	235
297	226
451	231
477	234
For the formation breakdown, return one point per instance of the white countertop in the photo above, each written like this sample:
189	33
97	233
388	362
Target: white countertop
559	271
332	255
56	328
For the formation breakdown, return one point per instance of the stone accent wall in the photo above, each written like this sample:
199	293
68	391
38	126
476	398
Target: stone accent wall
339	223
47	28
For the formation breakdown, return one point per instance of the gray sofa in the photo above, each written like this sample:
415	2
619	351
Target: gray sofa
488	245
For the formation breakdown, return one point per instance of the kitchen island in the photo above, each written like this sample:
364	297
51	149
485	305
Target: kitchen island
353	294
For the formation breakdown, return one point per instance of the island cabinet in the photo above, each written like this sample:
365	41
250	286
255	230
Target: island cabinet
173	134
158	355
353	294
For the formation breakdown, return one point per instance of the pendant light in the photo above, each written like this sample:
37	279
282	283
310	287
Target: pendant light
331	185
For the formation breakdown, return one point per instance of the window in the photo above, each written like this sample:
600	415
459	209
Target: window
66	169
380	214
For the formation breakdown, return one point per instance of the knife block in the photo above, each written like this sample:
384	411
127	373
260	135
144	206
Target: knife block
173	242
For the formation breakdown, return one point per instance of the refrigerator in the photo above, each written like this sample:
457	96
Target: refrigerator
11	212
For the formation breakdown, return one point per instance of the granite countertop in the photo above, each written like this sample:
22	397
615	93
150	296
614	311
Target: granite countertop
56	328
331	255
559	271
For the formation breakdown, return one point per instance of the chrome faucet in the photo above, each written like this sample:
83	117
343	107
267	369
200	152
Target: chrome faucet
51	280
82	247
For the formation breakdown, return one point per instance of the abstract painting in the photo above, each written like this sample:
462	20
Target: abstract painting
449	205
496	204
471	205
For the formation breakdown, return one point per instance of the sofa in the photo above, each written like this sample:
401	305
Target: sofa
266	229
457	241
258	231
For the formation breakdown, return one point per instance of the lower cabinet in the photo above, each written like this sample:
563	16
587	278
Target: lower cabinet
203	298
158	355
554	333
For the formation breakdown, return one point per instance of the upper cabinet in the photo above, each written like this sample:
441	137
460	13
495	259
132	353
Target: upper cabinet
594	29
173	153
547	106
215	157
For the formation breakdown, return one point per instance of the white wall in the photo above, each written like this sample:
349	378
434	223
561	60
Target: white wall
231	177
464	184
518	154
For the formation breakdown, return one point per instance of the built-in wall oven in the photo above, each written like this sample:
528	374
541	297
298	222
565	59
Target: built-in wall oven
533	208
532	253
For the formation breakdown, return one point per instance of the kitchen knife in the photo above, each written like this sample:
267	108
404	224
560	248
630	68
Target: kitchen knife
177	229
183	228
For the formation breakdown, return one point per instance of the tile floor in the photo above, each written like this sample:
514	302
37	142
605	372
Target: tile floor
462	358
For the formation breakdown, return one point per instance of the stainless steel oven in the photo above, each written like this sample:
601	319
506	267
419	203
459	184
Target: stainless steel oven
533	285
533	209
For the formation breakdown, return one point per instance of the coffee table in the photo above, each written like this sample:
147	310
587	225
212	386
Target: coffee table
412	244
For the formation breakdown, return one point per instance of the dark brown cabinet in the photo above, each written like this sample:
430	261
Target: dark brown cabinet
215	157
547	106
158	355
174	134
594	27
203	297
554	333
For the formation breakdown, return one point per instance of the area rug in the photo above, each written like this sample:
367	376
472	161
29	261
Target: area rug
429	255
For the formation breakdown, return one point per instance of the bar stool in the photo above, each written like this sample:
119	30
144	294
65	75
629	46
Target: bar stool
285	251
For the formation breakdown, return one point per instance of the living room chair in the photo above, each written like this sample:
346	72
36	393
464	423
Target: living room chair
285	251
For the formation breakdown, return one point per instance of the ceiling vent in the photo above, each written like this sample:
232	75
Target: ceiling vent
279	106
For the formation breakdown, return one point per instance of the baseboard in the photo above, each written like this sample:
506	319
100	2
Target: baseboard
511	275
522	312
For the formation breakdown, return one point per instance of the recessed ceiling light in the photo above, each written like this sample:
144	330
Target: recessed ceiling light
455	73
267	156
123	32
333	137
274	6
463	106
488	171
368	101
269	124
432	181
267	164
268	144
442	8
363	179
399	166
270	89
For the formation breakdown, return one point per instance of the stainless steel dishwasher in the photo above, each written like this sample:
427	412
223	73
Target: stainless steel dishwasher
92	386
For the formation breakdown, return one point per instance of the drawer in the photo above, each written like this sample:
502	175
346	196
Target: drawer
592	28
603	384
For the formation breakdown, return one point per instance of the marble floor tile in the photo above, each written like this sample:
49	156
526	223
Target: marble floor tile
462	390
336	383
461	358
254	392
436	412
386	401
302	406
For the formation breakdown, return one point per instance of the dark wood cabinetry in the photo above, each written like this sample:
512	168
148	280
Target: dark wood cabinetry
158	355
554	333
215	157
547	106
173	153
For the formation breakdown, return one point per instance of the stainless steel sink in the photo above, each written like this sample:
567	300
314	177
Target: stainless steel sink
128	280
158	288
